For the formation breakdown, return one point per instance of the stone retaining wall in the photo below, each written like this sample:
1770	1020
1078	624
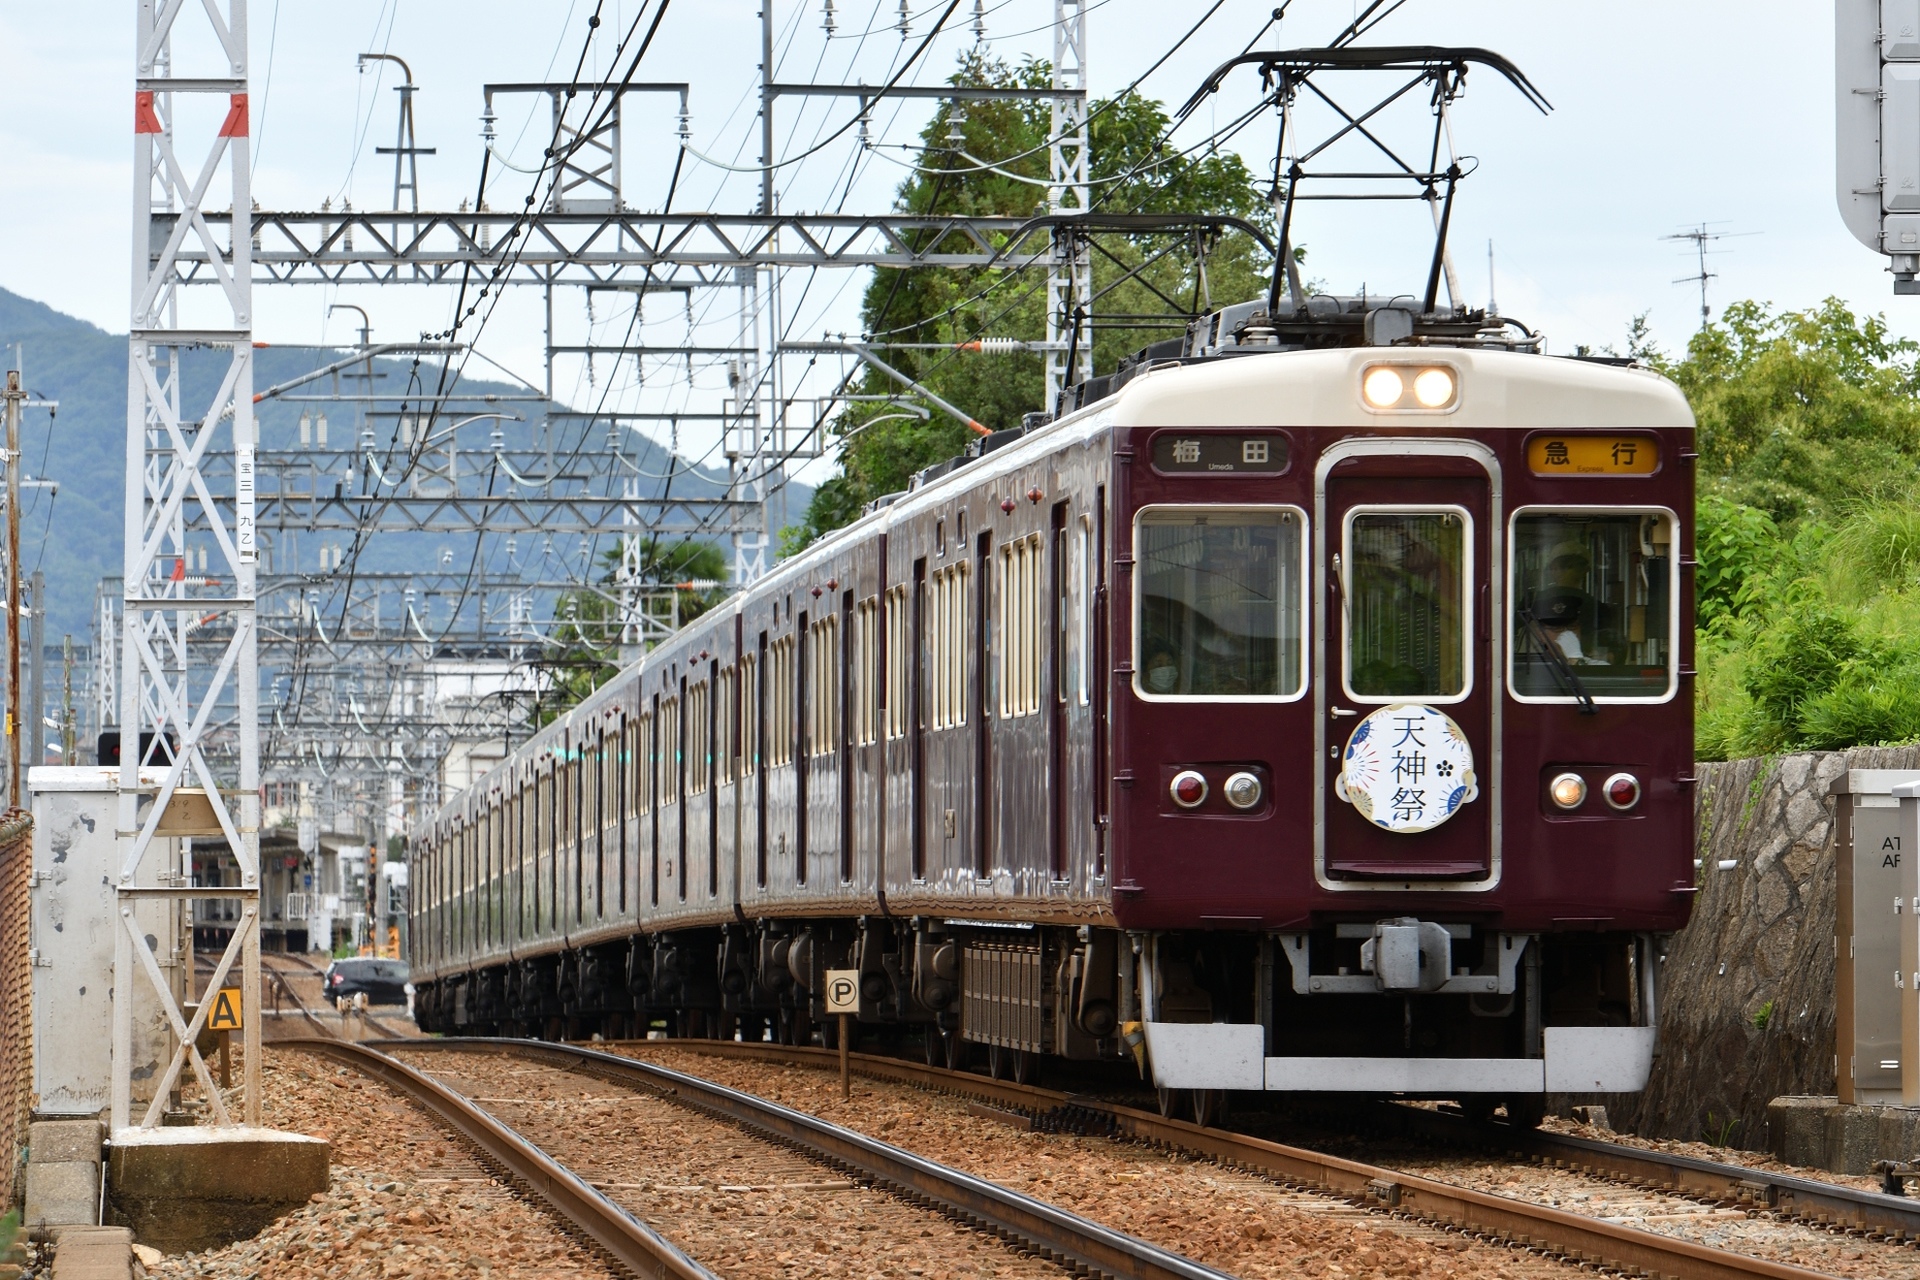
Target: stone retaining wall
1748	1001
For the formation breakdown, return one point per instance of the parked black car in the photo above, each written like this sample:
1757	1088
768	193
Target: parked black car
383	981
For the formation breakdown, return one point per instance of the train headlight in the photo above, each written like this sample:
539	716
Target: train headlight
1189	789
1433	388
1242	790
1622	790
1383	387
1569	790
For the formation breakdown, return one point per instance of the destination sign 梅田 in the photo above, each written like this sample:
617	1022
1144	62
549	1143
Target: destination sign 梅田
1210	453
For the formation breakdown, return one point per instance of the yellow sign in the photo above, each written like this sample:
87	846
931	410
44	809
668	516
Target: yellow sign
226	1010
1593	455
843	991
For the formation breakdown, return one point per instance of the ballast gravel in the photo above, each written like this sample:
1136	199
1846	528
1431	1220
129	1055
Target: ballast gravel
1237	1223
405	1199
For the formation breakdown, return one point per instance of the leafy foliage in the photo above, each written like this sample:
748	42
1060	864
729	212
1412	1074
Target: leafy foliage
584	651
1808	539
990	158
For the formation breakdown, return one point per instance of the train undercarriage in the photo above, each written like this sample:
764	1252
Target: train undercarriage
1397	1006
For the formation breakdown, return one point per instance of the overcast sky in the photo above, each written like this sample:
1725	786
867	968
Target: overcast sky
1666	115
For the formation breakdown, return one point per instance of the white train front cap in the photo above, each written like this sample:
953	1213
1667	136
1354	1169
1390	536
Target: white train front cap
1877	129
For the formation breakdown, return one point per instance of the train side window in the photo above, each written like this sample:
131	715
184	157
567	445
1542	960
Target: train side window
897	644
823	679
1083	610
699	755
1407	585
1221	598
1017	653
670	761
749	705
1593	596
779	744
726	727
867	692
948	603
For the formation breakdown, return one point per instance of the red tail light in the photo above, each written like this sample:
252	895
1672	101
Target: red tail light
1622	791
1188	788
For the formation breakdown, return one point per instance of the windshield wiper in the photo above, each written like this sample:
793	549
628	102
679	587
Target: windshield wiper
1558	661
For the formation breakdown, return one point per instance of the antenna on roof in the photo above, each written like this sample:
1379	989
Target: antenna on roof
1493	308
1701	237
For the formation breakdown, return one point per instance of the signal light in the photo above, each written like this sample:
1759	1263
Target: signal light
1189	789
1569	790
1622	791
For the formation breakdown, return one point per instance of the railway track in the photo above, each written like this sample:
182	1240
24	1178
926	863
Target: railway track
1058	1241
1575	1237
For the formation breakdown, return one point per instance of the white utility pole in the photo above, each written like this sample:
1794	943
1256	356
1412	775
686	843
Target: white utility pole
173	502
1070	269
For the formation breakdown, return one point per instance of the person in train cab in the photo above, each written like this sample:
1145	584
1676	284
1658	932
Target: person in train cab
1161	674
1564	607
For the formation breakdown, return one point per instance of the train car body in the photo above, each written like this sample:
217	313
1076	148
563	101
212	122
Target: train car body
1293	714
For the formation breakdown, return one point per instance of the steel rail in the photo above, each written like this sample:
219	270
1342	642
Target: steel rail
1573	1236
1047	1229
631	1242
1824	1203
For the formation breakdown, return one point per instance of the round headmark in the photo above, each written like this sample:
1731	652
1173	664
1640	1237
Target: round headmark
1407	768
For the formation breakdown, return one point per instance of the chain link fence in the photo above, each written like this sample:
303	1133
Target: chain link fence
16	1001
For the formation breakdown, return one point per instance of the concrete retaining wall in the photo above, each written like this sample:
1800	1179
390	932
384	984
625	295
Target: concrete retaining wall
1748	1012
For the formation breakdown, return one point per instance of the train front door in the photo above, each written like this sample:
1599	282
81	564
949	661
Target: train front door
1407	543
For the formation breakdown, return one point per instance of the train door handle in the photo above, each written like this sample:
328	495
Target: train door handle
1340	712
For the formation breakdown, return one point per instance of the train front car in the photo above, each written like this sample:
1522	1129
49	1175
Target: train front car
1401	726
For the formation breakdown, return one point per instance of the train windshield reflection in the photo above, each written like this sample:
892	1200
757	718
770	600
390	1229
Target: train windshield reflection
1406	583
1219	603
1596	588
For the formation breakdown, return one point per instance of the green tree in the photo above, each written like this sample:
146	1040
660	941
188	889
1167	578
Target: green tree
990	158
584	650
1808	538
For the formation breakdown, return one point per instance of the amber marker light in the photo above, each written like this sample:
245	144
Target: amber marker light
1188	789
1569	790
1383	387
1433	388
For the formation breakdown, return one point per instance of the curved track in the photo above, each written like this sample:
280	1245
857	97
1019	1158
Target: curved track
1575	1237
630	1242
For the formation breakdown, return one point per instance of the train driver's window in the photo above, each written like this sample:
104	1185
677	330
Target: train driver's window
1406	585
1220	603
1592	596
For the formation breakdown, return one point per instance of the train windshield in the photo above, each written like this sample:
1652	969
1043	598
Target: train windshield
1220	600
1592	604
1405	584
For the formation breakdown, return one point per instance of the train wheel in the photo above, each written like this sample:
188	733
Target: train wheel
1209	1106
1172	1102
933	1048
996	1062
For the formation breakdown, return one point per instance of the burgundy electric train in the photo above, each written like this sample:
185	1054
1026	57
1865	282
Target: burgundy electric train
1307	707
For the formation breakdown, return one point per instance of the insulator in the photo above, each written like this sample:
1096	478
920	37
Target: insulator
956	126
1001	346
827	26
979	20
904	15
